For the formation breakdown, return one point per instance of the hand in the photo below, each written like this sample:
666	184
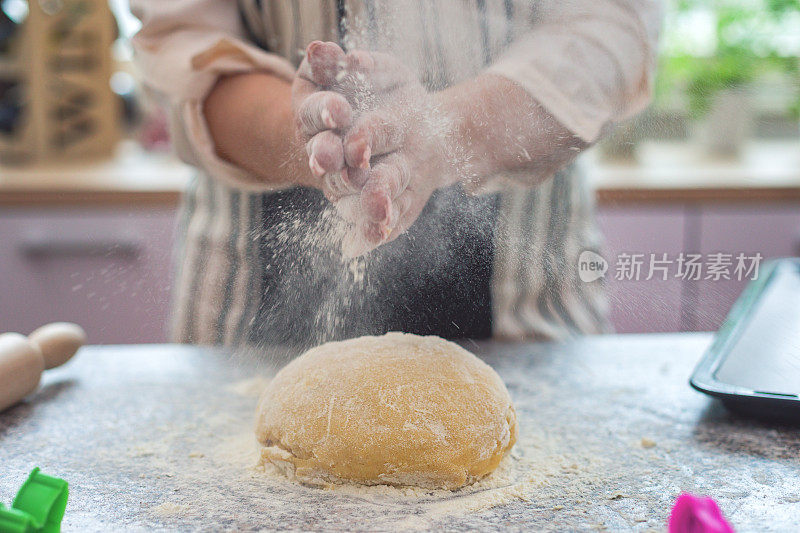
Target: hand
399	151
382	167
321	115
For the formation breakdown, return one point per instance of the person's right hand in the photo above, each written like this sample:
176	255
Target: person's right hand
321	117
330	91
366	117
380	170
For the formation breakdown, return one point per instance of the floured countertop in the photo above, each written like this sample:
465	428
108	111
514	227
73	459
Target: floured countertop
160	438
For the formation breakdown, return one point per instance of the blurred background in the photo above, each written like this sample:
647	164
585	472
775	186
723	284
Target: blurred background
89	189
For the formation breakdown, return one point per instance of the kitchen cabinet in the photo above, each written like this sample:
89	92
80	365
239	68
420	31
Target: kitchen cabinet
769	230
108	269
92	242
675	197
640	304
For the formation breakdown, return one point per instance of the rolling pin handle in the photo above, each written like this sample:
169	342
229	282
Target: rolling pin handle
58	342
21	367
23	359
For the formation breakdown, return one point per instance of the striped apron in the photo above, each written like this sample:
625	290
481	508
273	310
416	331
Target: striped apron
499	264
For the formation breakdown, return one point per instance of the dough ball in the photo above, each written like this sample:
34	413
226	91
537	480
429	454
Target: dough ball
398	409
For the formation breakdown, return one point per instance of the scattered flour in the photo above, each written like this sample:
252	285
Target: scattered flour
168	509
250	387
206	469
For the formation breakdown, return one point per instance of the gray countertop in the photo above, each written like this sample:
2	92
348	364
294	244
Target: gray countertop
159	438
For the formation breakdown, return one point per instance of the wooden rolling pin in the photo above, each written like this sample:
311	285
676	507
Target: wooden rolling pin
23	359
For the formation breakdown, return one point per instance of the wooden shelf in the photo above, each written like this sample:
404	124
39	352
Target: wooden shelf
130	176
698	195
683	172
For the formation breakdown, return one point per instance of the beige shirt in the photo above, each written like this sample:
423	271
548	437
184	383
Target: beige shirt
588	62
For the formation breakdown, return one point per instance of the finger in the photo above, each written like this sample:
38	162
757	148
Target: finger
373	233
369	235
323	110
374	133
387	181
391	174
304	70
400	208
319	68
325	153
324	61
303	85
399	221
336	186
357	177
381	72
302	89
407	212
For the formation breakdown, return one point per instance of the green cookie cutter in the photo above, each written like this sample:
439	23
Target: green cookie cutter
38	507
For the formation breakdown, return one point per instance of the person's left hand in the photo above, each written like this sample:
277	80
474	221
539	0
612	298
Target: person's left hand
396	149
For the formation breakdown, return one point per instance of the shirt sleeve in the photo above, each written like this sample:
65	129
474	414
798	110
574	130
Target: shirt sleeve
590	63
182	49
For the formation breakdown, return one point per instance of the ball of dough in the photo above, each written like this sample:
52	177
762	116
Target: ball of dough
398	409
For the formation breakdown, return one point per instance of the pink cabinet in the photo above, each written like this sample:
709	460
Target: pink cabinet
639	304
769	230
108	269
688	304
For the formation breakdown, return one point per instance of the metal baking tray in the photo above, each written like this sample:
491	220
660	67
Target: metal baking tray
753	365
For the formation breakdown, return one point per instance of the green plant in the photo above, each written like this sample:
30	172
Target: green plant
746	42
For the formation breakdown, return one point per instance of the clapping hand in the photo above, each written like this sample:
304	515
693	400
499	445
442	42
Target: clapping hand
375	139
